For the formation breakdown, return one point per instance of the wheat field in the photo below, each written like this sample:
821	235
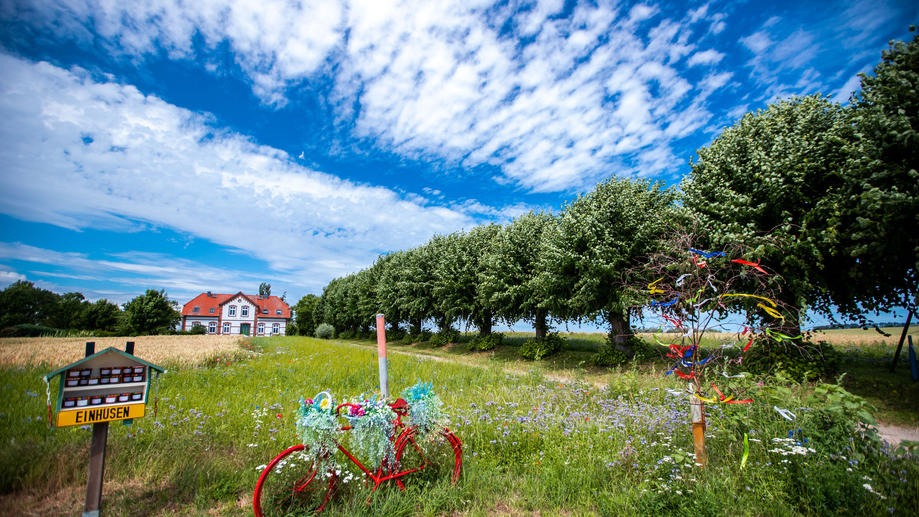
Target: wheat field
57	352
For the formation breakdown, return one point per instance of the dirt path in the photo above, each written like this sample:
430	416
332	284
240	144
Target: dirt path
895	434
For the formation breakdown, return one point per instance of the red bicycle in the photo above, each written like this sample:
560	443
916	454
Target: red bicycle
293	483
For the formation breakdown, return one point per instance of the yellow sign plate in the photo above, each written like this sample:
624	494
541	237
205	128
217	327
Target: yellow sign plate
92	415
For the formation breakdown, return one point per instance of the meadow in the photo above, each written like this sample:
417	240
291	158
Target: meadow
549	437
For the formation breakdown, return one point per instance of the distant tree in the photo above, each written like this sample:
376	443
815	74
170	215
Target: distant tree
305	319
151	313
100	315
22	302
509	278
67	314
392	288
459	265
590	253
764	183
264	289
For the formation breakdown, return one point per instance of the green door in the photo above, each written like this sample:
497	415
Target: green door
244	329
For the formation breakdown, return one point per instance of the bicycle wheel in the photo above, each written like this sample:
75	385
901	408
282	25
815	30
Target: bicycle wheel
292	485
438	457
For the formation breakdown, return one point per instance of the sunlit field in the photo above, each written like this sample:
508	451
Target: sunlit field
613	442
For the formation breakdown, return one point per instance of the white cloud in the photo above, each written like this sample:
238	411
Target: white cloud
78	153
9	277
439	81
706	57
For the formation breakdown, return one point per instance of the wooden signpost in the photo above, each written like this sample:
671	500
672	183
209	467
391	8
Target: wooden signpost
102	387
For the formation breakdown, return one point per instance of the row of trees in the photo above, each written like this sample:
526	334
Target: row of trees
27	309
827	195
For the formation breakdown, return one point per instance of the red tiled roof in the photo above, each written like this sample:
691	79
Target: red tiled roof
205	303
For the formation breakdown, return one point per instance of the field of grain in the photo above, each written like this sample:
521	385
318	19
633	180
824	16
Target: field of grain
56	352
860	337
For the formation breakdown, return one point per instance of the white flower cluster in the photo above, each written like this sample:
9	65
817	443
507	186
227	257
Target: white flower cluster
789	447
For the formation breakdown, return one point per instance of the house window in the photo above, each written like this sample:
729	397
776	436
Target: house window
232	311
196	324
264	311
212	327
261	329
278	312
195	309
276	328
226	328
211	310
244	311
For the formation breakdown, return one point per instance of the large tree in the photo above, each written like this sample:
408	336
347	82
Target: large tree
591	252
151	313
509	278
763	183
875	221
457	274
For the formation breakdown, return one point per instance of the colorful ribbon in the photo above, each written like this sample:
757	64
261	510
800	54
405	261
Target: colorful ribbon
665	304
754	265
706	254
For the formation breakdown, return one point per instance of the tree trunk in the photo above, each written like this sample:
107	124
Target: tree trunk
620	332
539	324
485	324
416	326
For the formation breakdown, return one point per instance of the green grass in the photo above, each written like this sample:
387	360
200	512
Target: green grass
552	437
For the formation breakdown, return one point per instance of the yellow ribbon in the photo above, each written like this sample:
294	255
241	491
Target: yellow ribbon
655	290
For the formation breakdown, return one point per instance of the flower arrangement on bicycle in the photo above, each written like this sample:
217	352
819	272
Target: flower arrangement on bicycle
372	430
425	409
318	426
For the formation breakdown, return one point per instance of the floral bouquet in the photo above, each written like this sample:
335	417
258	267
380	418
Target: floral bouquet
318	427
425	409
372	430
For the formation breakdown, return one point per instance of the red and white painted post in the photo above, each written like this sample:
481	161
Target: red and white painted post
381	353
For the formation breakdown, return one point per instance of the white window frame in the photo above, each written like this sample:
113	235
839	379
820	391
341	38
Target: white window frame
275	328
212	327
244	311
261	329
226	327
232	312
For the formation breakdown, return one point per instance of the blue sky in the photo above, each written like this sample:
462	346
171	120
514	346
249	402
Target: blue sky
200	146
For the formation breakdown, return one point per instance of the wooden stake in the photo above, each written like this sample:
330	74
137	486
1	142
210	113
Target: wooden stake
697	414
96	470
896	355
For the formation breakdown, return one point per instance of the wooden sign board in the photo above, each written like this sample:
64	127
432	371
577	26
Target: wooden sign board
103	387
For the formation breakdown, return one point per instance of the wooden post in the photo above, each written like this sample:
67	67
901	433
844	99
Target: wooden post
896	355
381	353
697	415
96	470
96	460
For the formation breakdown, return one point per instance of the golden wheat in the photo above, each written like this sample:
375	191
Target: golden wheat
57	352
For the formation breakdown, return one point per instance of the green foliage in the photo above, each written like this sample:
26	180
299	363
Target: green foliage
539	348
305	315
151	313
800	361
325	331
445	337
264	289
874	222
762	183
599	238
489	342
28	330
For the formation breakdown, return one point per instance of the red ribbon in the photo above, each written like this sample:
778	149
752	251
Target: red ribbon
754	265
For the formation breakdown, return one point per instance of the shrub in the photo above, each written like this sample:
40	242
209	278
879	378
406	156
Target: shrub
488	342
346	334
394	335
536	349
444	337
804	361
28	330
325	331
197	330
406	339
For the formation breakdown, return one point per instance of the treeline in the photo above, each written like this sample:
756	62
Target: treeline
27	310
825	194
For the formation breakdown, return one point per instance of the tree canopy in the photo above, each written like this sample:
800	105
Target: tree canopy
151	313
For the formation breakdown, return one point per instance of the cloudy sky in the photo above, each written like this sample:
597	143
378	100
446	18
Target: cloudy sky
214	145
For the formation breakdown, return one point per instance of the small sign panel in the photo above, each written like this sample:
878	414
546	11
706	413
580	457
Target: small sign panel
94	415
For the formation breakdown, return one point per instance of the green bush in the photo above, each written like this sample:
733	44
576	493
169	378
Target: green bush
28	330
197	330
406	339
536	349
444	337
489	342
609	355
325	331
796	360
394	335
